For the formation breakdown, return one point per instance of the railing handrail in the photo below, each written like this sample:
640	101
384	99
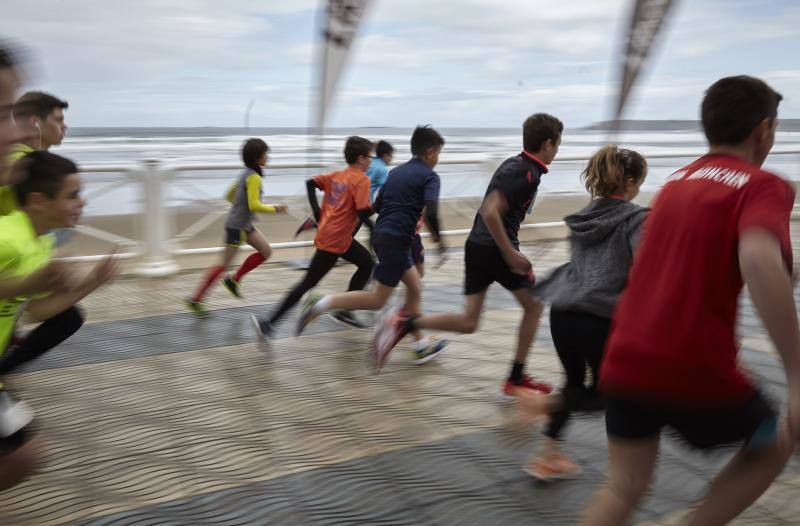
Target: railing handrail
158	257
323	165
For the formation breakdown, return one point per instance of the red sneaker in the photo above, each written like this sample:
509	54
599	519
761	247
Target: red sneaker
508	390
390	328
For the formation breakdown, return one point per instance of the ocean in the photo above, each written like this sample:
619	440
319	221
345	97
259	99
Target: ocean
120	193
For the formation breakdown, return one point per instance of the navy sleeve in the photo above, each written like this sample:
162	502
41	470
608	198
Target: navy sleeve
432	187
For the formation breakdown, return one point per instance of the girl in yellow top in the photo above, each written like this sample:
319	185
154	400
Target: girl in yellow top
245	197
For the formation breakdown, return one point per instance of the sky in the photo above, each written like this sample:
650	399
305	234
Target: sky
467	63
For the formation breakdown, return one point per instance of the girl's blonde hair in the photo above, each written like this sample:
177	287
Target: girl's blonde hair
608	169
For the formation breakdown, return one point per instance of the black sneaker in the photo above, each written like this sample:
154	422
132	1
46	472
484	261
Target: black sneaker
430	352
264	328
233	286
347	317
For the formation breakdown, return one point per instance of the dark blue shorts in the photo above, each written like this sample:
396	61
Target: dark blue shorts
393	261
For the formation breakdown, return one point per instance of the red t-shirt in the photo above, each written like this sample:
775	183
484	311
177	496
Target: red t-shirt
673	334
346	192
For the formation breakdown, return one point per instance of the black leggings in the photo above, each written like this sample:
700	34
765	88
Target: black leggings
41	339
579	338
321	263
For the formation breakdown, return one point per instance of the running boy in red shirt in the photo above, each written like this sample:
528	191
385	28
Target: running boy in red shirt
671	359
346	201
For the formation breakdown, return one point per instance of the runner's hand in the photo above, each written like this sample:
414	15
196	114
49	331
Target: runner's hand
53	277
105	271
281	209
518	262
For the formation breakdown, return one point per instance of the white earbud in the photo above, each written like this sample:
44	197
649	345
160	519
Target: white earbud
37	126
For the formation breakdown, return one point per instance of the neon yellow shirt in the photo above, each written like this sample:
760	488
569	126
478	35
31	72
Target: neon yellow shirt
8	201
21	253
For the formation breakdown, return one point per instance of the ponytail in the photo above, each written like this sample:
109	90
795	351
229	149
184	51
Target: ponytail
607	170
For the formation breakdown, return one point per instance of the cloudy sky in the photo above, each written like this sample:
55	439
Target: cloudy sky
446	62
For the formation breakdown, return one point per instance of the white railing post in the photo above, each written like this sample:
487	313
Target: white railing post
156	259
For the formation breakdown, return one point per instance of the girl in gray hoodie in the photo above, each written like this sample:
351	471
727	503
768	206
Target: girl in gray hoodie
583	293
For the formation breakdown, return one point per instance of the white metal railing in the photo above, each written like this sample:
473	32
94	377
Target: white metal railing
155	256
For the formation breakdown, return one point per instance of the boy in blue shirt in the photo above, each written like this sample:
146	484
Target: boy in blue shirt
412	186
378	169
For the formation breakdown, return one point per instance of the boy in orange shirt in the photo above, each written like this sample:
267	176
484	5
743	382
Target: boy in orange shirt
346	202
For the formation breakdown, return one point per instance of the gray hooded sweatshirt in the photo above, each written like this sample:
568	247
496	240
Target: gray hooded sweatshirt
603	238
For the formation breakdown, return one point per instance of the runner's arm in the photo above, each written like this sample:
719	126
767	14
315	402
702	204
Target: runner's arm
492	210
364	219
254	197
231	193
764	271
311	190
431	218
45	308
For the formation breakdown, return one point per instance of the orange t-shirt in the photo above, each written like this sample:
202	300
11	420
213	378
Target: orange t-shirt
346	192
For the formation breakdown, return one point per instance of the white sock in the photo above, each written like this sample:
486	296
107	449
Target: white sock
421	344
323	304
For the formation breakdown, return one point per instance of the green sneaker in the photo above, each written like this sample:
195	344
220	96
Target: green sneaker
233	286
197	308
308	313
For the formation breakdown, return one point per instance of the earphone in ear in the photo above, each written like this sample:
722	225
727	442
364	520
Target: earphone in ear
37	126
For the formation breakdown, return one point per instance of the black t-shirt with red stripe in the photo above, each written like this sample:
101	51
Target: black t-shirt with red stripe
518	180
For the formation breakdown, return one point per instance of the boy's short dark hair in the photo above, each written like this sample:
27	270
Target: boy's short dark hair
424	138
355	147
733	107
42	172
538	128
252	151
8	56
383	148
38	104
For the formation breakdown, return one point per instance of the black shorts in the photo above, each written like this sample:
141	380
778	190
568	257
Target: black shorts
393	261
235	237
753	422
483	265
417	250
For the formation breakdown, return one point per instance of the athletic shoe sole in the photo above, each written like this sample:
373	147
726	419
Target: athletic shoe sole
426	359
342	321
307	315
551	478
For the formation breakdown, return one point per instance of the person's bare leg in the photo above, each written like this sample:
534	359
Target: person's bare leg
630	469
465	322
257	240
373	299
742	481
532	311
413	302
19	464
